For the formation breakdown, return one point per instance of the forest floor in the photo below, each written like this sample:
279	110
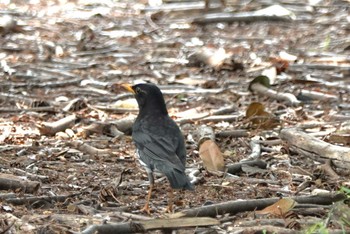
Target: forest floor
66	154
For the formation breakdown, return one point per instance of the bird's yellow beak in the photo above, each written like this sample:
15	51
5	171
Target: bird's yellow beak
128	88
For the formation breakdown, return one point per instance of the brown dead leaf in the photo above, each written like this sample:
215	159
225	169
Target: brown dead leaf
280	64
211	156
280	208
255	108
259	117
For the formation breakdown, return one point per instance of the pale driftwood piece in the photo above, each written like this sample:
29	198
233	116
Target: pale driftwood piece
233	133
125	124
234	207
88	149
75	104
132	216
31	200
319	150
314	124
147	225
237	167
220	118
192	119
320	96
205	133
319	67
115	129
58	126
256	151
11	182
31	176
225	110
151	22
114	109
66	65
270	142
287	97
212	116
336	117
53	71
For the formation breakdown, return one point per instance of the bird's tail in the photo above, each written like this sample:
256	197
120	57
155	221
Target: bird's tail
178	179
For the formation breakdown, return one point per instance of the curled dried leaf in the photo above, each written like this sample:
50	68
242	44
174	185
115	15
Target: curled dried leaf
211	156
280	208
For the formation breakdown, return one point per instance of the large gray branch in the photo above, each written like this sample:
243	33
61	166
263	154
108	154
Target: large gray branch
305	144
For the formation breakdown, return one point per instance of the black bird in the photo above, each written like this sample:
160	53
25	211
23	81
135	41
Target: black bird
159	142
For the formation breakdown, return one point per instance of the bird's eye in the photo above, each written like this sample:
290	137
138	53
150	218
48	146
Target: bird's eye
138	90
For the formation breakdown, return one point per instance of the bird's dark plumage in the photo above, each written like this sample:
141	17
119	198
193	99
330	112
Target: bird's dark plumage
158	139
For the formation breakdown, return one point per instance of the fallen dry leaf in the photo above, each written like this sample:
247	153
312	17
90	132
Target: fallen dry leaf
259	117
211	156
280	208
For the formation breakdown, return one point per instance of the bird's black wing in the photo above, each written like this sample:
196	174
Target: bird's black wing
157	151
160	146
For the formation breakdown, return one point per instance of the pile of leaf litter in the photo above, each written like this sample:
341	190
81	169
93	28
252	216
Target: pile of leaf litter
259	89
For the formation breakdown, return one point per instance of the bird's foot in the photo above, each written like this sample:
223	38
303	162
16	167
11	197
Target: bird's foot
146	209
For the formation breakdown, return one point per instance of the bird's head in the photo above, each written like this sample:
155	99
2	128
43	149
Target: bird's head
149	98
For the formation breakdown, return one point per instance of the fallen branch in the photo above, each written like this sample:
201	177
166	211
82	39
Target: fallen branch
147	225
256	150
31	200
11	182
271	13
88	149
320	96
287	97
31	176
313	147
233	133
58	126
234	207
32	109
235	17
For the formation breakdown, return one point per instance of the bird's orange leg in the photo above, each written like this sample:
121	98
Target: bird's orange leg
169	208
146	207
